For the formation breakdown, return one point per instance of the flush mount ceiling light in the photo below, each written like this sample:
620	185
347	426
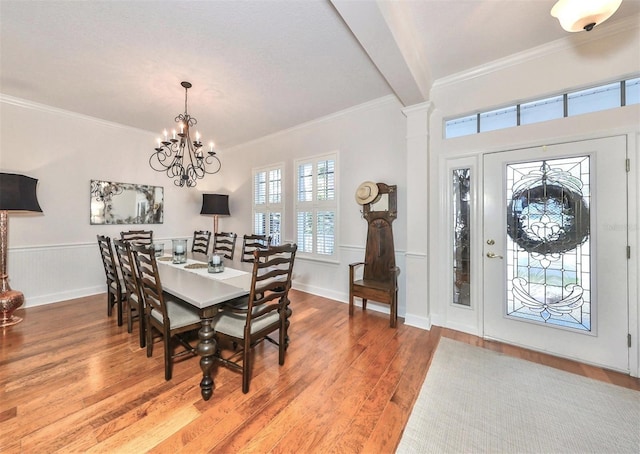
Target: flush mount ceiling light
182	158
578	15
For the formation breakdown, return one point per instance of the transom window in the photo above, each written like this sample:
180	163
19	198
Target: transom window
602	97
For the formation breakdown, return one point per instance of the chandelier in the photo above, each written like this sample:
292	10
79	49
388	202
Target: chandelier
181	158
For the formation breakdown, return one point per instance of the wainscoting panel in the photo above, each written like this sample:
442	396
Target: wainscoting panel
47	274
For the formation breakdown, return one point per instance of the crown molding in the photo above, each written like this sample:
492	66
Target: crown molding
26	104
568	42
388	99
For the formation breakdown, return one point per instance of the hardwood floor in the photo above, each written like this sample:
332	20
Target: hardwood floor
71	380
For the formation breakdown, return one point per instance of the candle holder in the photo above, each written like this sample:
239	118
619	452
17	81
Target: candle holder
179	251
158	249
215	264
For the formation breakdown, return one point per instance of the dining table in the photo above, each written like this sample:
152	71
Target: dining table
207	292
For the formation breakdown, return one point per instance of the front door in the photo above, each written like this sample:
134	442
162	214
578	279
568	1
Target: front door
555	250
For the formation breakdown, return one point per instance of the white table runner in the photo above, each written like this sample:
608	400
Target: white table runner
228	273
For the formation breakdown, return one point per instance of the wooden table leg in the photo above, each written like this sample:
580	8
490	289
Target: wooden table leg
206	349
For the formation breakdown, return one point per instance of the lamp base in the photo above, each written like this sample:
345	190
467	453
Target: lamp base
9	302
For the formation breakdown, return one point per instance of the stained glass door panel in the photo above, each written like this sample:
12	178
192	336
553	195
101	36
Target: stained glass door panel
548	248
555	267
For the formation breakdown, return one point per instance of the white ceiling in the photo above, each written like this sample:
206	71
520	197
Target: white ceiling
257	66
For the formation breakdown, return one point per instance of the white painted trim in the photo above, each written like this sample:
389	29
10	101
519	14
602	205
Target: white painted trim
426	106
569	42
26	104
364	106
320	291
418	322
633	153
69	295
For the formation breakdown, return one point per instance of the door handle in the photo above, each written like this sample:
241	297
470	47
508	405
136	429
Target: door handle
491	255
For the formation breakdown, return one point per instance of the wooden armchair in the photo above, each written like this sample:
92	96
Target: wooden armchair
379	279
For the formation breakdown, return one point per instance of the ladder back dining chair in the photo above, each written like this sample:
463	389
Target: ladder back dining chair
133	299
115	287
224	243
201	240
172	318
252	242
247	321
138	236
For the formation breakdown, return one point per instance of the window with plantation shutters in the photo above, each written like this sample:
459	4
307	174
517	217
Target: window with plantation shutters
268	206
316	205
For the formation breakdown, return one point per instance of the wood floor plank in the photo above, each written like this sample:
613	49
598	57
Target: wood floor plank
71	380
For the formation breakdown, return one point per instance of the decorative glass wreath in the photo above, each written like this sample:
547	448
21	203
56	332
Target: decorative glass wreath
548	218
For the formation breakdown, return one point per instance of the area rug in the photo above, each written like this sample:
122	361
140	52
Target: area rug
475	400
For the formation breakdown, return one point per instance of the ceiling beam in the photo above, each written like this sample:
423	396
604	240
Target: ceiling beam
386	37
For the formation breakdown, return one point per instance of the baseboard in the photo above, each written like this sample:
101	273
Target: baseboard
417	321
319	291
63	296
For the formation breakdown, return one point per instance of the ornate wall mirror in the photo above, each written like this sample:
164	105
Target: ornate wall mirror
125	203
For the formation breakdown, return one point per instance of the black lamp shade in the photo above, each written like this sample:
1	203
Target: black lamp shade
215	204
18	193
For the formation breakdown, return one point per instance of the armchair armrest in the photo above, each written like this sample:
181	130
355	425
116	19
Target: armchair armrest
395	271
352	267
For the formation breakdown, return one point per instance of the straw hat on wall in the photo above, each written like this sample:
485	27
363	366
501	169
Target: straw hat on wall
367	192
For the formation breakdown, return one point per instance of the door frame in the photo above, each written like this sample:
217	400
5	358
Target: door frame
470	320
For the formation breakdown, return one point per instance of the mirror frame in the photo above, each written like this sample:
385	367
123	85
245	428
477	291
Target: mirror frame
125	203
368	210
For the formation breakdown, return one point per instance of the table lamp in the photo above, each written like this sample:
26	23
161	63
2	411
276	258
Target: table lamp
215	204
17	193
